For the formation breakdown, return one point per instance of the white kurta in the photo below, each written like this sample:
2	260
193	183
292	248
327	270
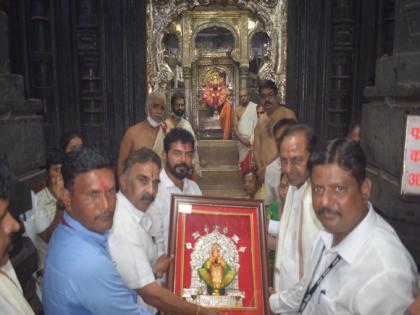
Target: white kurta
272	181
160	210
376	274
246	126
12	300
131	247
299	227
46	207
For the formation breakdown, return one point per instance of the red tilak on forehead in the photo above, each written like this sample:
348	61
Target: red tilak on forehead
184	147
104	186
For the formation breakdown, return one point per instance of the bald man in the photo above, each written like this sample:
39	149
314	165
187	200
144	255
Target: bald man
245	120
149	133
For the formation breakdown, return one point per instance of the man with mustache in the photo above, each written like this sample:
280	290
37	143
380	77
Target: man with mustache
11	294
131	247
179	147
358	265
265	149
79	276
176	120
298	223
148	133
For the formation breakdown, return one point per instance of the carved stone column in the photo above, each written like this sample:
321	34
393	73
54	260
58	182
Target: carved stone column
243	76
189	105
90	70
395	95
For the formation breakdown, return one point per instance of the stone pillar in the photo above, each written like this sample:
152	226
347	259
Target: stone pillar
4	43
243	76
190	106
395	95
22	138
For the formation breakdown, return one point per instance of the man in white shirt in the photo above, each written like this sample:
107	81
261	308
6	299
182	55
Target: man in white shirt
11	294
179	147
131	247
359	265
298	223
273	170
176	120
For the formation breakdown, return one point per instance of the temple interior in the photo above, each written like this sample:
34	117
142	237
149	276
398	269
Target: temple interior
88	65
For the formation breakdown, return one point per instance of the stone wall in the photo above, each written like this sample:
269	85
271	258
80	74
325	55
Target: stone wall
395	95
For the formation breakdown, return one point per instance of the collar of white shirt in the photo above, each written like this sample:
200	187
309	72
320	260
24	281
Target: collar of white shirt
349	247
136	214
168	183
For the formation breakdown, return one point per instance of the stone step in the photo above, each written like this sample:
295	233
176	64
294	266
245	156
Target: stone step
220	177
219	152
224	193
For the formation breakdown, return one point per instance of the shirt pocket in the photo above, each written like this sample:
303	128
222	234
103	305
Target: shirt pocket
325	305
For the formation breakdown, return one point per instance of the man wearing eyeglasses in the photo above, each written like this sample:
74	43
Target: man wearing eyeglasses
179	150
265	149
299	225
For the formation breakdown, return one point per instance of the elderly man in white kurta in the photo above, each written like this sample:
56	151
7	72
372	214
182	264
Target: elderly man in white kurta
179	150
131	247
299	225
245	120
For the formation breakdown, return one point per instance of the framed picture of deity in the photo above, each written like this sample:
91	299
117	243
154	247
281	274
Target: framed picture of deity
220	253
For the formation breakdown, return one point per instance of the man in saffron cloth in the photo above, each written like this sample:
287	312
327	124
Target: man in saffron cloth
225	117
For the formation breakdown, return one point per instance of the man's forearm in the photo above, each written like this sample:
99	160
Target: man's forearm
168	302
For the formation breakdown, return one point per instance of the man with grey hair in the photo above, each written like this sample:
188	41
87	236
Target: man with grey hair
132	248
148	133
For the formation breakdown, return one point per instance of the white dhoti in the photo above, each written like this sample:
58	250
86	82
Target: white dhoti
246	126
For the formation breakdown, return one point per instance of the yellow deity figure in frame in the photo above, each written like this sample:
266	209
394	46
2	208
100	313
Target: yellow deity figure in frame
216	273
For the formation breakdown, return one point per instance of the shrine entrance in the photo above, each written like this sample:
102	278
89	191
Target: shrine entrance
210	49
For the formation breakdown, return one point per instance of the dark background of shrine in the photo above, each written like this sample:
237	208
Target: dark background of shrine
85	63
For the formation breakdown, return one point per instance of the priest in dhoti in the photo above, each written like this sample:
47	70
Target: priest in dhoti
245	120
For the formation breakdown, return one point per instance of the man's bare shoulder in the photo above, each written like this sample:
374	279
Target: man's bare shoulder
239	110
138	127
283	112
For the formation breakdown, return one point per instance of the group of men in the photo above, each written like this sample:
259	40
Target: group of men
334	253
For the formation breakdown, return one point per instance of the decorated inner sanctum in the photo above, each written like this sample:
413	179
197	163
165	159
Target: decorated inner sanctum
207	50
230	81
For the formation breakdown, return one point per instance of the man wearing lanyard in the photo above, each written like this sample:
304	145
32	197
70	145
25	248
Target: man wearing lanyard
359	265
79	276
